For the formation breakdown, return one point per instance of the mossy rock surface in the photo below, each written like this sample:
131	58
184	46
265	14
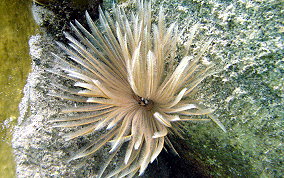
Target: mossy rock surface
246	92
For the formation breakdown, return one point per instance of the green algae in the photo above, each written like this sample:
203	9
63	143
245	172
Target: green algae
16	26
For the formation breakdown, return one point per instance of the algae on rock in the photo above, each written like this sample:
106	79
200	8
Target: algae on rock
246	92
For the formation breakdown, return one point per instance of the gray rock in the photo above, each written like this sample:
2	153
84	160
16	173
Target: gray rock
246	92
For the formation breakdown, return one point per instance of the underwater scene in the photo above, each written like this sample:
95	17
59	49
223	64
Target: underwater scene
141	88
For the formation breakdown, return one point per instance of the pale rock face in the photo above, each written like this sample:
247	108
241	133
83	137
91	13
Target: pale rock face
245	92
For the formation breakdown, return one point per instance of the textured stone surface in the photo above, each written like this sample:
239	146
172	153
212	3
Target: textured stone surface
246	92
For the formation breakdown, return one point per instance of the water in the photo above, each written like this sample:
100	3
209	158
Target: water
16	26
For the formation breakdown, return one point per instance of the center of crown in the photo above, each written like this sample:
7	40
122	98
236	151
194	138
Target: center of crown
148	104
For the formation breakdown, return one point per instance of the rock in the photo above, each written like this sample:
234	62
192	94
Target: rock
246	92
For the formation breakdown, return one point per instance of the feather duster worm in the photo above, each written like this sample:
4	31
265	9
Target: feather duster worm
130	85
